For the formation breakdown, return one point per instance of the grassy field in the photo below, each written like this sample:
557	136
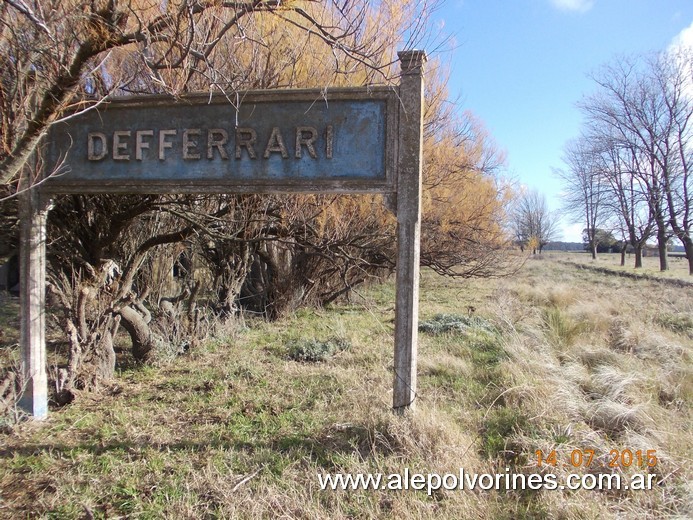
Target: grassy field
678	266
554	358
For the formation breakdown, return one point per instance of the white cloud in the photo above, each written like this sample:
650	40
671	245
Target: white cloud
682	40
579	6
682	43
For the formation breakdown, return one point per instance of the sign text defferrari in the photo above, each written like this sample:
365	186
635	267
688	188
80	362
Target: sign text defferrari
340	141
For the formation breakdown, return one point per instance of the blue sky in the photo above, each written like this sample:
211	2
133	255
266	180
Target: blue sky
522	65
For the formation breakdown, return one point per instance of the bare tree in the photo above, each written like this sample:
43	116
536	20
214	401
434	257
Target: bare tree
628	199
627	108
644	106
584	193
673	78
532	223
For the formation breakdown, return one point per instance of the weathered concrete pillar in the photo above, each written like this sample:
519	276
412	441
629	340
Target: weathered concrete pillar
409	165
32	286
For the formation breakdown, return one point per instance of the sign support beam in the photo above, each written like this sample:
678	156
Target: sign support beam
409	165
33	212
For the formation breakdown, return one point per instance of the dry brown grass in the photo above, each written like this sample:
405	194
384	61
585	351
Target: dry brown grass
616	379
573	360
678	267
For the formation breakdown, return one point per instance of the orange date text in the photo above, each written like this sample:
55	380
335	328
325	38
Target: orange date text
583	458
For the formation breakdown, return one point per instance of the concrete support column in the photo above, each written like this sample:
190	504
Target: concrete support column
32	286
409	164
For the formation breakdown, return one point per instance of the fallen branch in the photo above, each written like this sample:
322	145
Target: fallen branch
247	478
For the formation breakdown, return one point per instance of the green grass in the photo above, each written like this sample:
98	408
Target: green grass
499	427
554	358
681	323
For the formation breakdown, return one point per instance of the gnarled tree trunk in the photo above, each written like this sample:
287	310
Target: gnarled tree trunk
137	326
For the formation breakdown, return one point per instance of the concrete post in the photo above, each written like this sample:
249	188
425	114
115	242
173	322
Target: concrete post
32	286
409	163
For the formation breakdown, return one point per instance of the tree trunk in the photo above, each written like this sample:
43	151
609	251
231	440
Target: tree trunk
282	283
688	247
103	359
638	256
662	247
139	331
229	280
91	360
623	255
591	241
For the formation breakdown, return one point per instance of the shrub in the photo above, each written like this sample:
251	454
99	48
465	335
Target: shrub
313	350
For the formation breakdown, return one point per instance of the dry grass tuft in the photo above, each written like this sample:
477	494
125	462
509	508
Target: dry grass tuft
621	337
562	296
613	417
597	313
561	328
610	382
594	355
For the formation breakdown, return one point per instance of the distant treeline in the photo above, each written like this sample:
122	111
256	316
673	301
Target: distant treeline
578	246
564	246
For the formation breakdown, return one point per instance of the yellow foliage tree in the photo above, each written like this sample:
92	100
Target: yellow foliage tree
463	228
274	252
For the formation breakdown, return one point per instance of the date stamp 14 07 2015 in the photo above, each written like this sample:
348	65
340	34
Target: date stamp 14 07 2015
584	458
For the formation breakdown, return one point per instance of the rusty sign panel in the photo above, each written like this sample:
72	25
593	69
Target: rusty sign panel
269	141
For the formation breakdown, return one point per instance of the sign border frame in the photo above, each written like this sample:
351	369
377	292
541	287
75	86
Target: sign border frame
53	185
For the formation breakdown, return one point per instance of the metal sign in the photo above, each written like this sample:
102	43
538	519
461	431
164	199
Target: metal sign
305	140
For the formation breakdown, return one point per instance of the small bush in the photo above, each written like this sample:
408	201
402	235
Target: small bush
313	350
443	323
